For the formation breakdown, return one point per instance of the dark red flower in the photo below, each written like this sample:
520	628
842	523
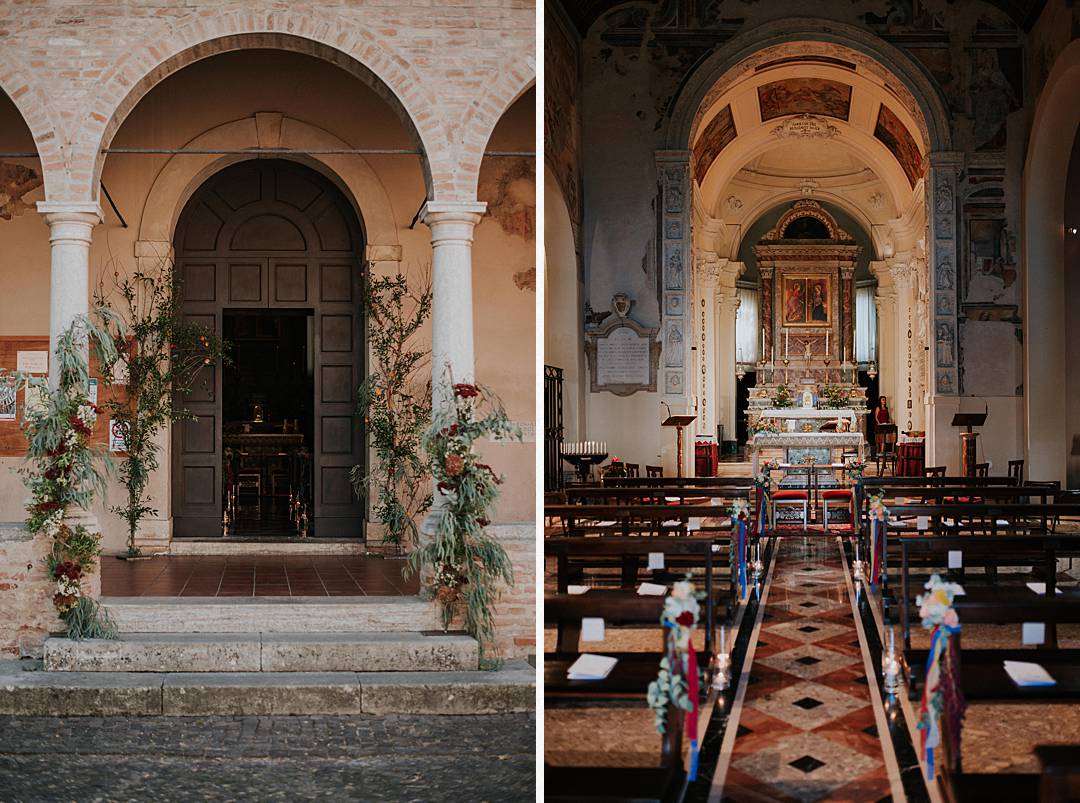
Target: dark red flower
446	487
483	522
466	391
685	619
68	569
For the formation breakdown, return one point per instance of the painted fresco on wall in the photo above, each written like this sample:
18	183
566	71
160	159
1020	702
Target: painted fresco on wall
562	117
894	135
991	261
993	93
804	96
807	300
16	185
717	135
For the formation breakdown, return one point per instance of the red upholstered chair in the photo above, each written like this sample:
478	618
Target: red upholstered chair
842	496
792	498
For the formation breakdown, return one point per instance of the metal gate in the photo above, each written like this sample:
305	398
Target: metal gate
553	427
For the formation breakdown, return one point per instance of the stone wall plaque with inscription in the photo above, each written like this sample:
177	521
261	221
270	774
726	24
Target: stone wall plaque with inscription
623	357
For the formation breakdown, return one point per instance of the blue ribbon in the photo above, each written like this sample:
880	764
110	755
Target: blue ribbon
939	634
692	774
742	556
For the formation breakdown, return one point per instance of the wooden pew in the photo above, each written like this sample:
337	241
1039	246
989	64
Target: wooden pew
629	553
580	520
665	783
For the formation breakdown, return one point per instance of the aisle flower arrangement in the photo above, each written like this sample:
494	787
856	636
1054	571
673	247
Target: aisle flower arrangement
66	470
462	566
879	516
678	688
943	703
740	521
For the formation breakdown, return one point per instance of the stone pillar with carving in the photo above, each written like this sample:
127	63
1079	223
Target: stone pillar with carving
673	170
706	339
727	308
847	316
888	339
941	183
903	400
767	310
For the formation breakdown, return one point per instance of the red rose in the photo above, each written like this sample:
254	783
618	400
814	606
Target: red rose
685	619
466	391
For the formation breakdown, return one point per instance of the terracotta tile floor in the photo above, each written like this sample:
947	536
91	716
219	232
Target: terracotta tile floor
253	576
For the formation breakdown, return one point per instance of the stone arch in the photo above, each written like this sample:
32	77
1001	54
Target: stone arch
1053	131
917	92
359	51
33	105
181	176
767	204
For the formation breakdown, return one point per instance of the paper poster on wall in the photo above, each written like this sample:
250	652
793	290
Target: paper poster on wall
32	362
117	436
8	394
91	391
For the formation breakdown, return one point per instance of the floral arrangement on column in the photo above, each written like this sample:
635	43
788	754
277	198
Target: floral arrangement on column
462	566
396	406
835	396
943	703
879	517
740	520
676	682
66	471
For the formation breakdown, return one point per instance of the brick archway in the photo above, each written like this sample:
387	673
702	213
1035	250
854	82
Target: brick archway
358	52
486	113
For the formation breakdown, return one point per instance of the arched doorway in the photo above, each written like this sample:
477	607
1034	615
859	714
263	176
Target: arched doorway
268	254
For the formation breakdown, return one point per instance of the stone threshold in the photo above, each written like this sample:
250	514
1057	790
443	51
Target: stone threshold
290	546
511	689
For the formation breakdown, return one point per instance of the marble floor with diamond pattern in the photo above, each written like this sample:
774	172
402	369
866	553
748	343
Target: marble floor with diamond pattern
806	729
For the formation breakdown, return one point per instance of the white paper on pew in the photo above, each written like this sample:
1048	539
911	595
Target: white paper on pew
673	523
591	667
715	501
716	547
694	523
652	590
592	628
948	522
1003	523
924	522
576	589
1040	588
656	560
604	524
1034	633
956	559
1024	673
672	498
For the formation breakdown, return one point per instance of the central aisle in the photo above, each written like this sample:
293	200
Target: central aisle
807	728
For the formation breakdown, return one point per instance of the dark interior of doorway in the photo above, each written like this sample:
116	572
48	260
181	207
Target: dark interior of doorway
268	400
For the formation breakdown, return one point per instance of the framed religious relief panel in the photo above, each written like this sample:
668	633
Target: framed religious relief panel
807	300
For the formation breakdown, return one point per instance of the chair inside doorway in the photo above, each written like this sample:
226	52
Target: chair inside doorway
268	423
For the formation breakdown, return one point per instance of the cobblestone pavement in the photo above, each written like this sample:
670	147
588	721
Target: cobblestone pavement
399	758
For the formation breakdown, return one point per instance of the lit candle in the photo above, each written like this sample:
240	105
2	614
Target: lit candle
763	344
826	344
722	630
787	343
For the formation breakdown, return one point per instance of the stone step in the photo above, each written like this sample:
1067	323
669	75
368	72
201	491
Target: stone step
271	614
511	689
264	652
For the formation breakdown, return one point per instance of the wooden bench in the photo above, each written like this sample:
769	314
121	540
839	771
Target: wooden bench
630	677
629	553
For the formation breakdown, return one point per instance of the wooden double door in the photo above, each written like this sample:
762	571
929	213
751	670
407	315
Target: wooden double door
273	234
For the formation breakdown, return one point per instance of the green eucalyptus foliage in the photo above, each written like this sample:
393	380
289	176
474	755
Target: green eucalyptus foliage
162	356
462	565
395	403
65	469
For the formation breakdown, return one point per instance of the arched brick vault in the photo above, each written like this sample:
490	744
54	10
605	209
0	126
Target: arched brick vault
448	108
916	83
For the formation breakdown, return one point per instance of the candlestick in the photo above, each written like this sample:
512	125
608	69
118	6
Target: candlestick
787	343
826	344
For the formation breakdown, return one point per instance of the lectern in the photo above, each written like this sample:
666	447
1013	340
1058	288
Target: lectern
680	422
967	439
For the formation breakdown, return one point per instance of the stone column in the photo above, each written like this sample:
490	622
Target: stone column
707	340
847	289
727	307
766	311
452	224
70	227
904	282
888	341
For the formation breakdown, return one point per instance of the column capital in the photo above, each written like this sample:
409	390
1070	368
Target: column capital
452	212
71	212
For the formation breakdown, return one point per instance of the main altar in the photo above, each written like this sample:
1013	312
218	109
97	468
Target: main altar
807	406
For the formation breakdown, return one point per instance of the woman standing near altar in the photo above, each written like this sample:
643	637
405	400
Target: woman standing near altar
881	414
